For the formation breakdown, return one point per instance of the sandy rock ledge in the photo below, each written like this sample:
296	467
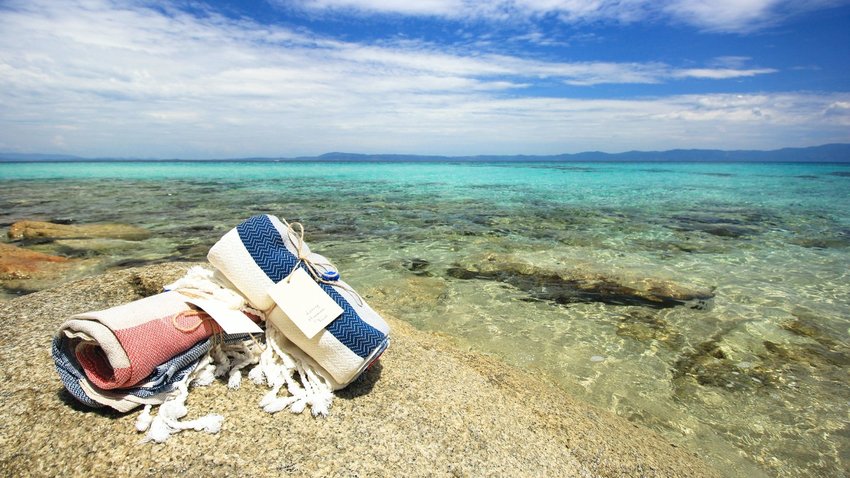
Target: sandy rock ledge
428	409
20	263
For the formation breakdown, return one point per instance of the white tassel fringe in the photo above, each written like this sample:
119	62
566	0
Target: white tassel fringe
281	364
222	359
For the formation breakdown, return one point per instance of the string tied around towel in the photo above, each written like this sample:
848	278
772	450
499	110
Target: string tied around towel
202	317
297	239
199	314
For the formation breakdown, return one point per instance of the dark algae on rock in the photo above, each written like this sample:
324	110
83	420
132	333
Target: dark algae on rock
556	288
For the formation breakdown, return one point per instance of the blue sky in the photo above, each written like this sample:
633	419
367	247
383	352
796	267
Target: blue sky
230	78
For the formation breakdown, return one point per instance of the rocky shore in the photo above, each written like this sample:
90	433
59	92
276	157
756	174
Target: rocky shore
428	409
42	254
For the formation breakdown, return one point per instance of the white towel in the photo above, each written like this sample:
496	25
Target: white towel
261	252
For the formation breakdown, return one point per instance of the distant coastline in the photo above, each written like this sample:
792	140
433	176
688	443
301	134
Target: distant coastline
828	153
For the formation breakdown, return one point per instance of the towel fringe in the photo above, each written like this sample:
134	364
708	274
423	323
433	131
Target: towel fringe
167	421
222	359
212	284
279	364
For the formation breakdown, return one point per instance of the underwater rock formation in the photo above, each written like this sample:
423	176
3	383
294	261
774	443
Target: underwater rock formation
19	263
568	287
49	230
806	352
645	326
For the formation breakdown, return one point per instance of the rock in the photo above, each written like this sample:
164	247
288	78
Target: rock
732	223
97	245
709	365
426	409
576	286
646	326
417	266
806	324
49	230
817	356
411	293
19	263
834	241
805	351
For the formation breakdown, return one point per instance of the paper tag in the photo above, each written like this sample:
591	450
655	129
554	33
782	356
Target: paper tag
231	321
304	302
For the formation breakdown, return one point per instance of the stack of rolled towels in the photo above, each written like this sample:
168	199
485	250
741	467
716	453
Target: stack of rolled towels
268	303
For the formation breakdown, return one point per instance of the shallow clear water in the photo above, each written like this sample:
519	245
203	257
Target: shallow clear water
710	302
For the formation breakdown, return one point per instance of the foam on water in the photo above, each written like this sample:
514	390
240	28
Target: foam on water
710	302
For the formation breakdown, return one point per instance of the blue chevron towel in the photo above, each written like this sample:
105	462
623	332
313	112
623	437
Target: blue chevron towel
259	253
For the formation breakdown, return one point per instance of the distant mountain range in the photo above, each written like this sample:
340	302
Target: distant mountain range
828	153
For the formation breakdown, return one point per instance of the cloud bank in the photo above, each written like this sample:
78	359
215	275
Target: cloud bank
103	78
711	15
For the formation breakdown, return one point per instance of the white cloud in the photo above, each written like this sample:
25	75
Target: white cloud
418	7
721	73
730	61
723	14
838	112
741	15
126	80
715	15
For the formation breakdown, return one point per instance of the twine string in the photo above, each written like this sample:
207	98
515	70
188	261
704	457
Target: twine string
297	239
199	314
217	336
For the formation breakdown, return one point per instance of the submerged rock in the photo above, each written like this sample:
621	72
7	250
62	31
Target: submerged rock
568	287
49	230
645	326
417	266
723	222
710	364
812	355
730	362
17	263
410	293
94	246
805	324
835	240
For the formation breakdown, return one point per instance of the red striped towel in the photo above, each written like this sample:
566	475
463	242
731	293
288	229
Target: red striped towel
121	346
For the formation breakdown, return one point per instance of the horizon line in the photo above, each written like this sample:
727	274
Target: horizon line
338	156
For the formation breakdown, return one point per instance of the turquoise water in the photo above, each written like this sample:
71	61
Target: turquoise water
709	302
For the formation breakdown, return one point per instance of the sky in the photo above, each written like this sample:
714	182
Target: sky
201	79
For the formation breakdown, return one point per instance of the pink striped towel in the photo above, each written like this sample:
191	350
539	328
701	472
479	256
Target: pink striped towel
121	346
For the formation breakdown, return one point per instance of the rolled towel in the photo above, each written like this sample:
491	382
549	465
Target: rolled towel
152	391
263	251
133	354
120	347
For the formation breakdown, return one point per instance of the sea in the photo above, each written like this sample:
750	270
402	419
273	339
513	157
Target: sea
709	302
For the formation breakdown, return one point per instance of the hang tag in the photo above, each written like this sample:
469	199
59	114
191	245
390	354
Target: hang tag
304	302
231	321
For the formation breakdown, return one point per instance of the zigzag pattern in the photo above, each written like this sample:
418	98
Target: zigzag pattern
350	329
263	241
266	246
